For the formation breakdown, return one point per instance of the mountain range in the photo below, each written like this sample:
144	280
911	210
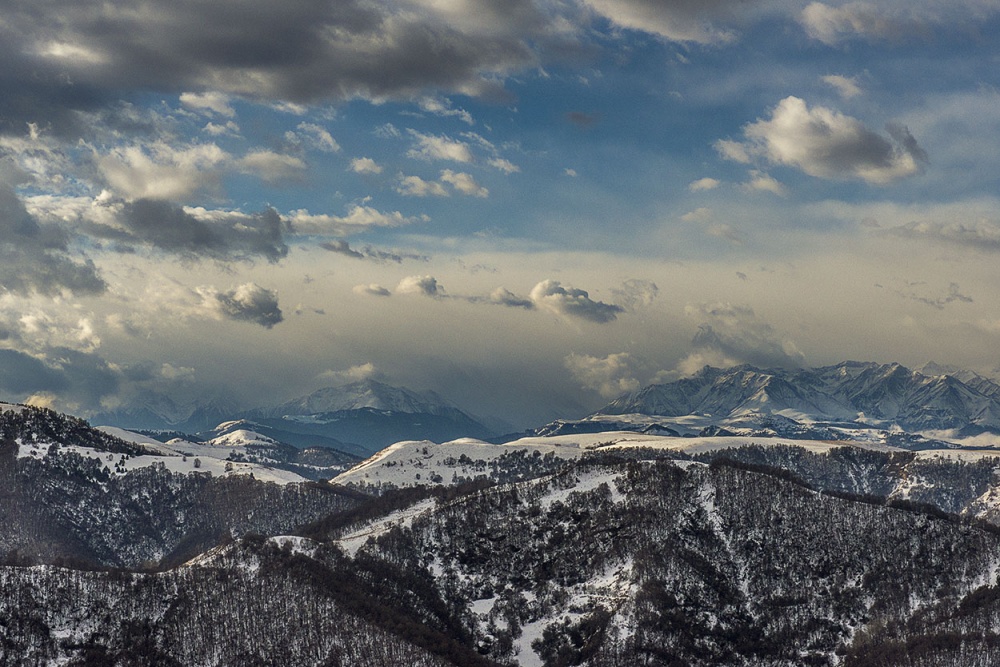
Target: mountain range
864	394
842	516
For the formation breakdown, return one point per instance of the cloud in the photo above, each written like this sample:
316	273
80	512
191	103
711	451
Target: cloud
674	21
501	296
731	334
313	136
847	87
247	303
161	171
979	234
365	165
35	257
760	181
827	144
209	103
371	290
954	295
300	53
341	247
635	294
197	232
422	285
414	186
359	218
610	377
464	183
572	302
581	119
69	378
271	167
434	147
860	20
440	106
353	374
703	184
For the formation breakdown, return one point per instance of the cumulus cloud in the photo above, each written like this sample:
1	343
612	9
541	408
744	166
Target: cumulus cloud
162	171
247	303
572	302
464	183
439	147
311	135
422	285
414	186
342	247
365	165
731	334
760	181
827	144
501	296
35	257
610	377
703	184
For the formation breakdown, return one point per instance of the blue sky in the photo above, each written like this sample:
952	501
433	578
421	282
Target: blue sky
527	206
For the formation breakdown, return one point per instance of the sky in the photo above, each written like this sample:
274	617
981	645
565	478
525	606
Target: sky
528	206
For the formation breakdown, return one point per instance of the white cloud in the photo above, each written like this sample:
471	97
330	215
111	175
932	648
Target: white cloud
847	87
357	219
435	147
422	285
314	136
610	377
440	106
827	144
703	184
161	171
365	165
414	186
730	334
675	21
371	289
228	129
209	102
504	165
572	302
271	167
763	182
464	183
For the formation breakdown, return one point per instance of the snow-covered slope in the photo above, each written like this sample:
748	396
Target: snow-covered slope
878	394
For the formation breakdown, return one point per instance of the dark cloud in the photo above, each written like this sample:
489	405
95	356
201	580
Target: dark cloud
22	374
75	378
368	252
35	257
572	302
226	236
62	56
250	303
501	296
954	295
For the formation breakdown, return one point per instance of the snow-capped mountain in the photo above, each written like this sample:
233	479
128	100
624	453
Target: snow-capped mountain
363	394
885	395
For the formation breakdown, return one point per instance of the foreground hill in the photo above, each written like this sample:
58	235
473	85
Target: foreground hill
613	549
